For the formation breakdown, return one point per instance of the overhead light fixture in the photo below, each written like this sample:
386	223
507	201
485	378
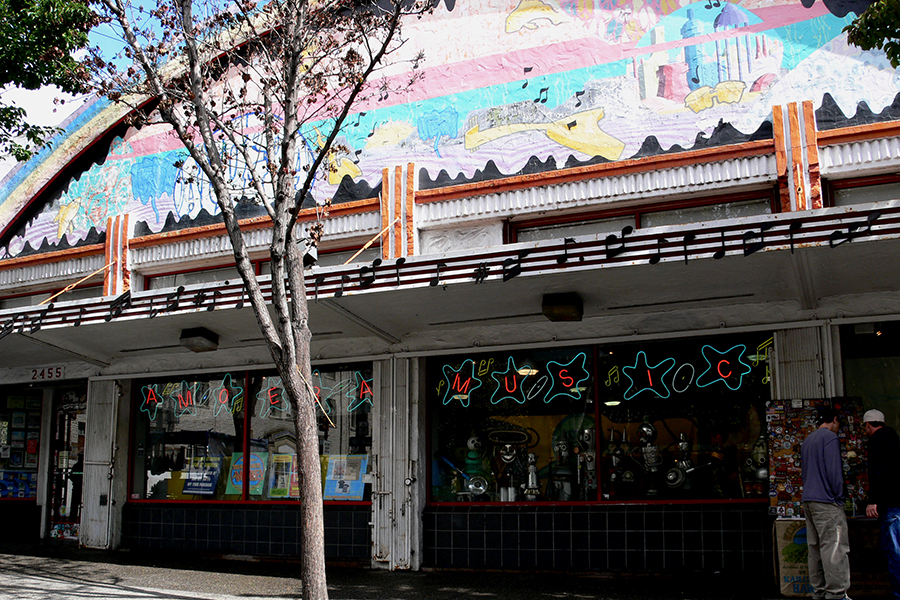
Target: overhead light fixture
563	307
199	339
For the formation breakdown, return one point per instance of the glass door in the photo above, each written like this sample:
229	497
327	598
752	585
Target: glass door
67	470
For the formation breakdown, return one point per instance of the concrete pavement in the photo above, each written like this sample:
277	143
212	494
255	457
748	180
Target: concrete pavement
47	573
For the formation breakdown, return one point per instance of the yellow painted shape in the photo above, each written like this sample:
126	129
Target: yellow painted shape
343	167
528	11
64	217
579	131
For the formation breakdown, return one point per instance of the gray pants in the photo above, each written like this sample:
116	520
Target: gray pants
826	536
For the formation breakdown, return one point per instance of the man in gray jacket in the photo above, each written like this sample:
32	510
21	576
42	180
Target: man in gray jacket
823	506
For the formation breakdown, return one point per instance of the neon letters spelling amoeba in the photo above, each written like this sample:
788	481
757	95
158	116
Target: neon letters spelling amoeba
462	382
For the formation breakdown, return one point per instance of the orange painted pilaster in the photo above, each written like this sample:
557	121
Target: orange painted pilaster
812	155
410	203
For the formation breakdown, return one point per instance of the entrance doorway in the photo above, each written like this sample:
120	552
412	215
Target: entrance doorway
67	470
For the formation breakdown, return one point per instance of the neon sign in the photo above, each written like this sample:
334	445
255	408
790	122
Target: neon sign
151	401
567	378
724	366
513	379
271	397
361	393
460	386
645	378
228	397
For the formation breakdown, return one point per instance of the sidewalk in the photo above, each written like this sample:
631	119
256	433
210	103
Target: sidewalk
47	572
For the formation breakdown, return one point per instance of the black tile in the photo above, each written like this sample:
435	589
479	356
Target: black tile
712	521
599	560
653	521
616	540
615	521
544	540
655	560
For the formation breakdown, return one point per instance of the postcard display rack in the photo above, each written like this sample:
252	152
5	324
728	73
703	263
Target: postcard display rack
20	423
788	423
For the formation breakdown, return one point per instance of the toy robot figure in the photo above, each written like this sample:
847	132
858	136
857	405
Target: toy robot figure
587	466
533	486
509	470
474	457
677	475
561	473
650	453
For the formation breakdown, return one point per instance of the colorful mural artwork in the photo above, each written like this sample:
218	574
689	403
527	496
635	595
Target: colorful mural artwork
517	87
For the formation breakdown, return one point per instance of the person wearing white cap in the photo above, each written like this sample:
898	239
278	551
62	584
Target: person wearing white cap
883	453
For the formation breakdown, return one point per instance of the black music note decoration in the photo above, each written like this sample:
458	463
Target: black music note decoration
527	71
116	307
81	312
201	298
571	124
437	277
654	260
367	274
512	267
756	246
794	227
565	256
685	242
397	264
613	239
720	253
172	302
10	325
578	96
853	231
481	273
318	281
38	320
542	96
340	292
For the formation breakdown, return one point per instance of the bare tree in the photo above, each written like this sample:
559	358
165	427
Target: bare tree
240	84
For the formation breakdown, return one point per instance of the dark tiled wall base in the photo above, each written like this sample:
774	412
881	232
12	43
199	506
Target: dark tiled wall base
600	538
255	530
20	521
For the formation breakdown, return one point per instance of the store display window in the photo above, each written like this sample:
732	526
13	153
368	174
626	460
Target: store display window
231	436
20	424
659	420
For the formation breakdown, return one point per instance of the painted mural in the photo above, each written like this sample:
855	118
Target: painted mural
525	86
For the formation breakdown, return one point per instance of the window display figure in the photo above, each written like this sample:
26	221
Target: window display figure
533	485
650	454
561	473
587	465
618	448
677	476
510	470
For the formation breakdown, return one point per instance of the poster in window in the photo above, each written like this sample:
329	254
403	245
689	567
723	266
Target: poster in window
281	476
258	462
17	439
4	450
33	402
18	420
202	475
31	461
33	420
15	402
4	432
344	478
16	459
31	442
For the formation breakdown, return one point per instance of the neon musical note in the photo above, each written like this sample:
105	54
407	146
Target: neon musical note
484	366
762	351
612	376
768	376
440	387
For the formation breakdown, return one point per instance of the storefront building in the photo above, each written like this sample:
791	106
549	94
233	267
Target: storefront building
583	364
